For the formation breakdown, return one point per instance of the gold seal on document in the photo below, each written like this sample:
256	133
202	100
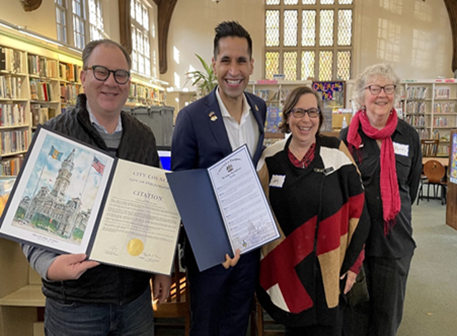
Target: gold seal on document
135	247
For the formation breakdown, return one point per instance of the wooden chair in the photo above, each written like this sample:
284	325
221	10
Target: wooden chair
264	324
429	147
434	172
177	304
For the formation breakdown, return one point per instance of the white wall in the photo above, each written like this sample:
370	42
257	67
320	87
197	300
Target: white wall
412	34
42	20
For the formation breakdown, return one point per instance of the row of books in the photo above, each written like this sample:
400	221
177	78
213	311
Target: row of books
11	60
415	107
423	133
278	95
14	141
69	92
442	93
440	121
416	92
69	72
41	114
145	95
444	108
41	90
415	120
42	66
11	166
12	115
10	87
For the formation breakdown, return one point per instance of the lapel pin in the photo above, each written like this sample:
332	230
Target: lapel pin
212	116
256	108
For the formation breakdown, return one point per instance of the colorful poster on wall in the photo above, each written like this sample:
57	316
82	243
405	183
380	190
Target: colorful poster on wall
453	172
332	93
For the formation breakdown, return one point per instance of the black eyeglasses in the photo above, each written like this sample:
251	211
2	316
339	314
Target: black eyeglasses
376	89
300	113
102	73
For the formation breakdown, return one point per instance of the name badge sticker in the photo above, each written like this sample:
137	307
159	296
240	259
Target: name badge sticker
277	181
401	149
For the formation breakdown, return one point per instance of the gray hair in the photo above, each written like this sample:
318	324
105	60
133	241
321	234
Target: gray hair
382	70
89	48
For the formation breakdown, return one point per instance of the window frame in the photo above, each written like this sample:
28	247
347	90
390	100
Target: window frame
69	31
317	49
141	51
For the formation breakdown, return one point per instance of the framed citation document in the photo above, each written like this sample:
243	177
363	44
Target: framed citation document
73	198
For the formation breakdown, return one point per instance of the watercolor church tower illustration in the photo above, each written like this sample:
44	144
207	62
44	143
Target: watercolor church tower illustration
54	206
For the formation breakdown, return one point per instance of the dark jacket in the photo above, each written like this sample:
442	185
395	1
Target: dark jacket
399	241
104	284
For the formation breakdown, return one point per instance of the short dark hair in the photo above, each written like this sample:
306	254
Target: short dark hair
292	100
89	48
231	29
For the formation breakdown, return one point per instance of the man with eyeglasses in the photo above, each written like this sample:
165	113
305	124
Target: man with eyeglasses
84	298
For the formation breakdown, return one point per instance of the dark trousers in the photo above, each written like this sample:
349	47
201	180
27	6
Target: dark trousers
386	281
86	319
221	299
318	329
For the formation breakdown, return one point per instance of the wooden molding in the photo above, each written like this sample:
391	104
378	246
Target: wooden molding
165	10
30	5
125	29
451	6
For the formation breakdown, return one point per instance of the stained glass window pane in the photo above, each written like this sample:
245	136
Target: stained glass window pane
344	27
345	2
290	28
290	2
307	64
271	64
272	28
325	65
290	65
343	65
327	2
308	2
273	2
326	28
308	37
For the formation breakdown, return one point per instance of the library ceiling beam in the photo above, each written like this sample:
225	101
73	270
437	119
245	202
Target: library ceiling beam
125	28
451	6
30	5
165	11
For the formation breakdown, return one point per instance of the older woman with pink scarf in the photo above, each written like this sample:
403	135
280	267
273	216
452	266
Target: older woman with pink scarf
388	153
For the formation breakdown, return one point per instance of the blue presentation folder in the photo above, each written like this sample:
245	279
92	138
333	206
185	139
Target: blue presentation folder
202	220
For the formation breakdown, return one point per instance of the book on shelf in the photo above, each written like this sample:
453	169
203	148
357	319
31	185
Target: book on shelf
10	87
14	141
12	115
33	89
274	118
11	60
11	166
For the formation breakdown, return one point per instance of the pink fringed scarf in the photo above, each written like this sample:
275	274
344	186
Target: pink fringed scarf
390	194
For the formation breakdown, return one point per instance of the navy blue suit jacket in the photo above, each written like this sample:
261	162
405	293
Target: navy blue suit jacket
199	142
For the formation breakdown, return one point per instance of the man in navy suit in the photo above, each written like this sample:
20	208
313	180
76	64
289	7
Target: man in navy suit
205	132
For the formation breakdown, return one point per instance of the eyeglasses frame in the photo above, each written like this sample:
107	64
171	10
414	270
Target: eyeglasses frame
94	67
382	88
306	112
